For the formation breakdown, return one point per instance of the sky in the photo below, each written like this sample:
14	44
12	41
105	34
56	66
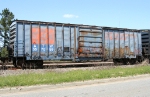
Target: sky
133	14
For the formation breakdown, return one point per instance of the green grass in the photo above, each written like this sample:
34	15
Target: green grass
70	76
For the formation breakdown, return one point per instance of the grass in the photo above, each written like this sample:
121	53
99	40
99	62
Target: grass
70	76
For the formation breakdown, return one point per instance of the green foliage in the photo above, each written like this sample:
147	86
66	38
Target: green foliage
4	52
6	20
70	76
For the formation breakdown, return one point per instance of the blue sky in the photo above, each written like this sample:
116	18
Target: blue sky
132	14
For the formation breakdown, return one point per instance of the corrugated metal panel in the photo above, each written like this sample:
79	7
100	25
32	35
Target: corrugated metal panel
19	43
43	41
111	45
59	41
90	43
131	45
117	40
35	31
136	43
67	40
51	42
27	40
140	44
107	45
127	41
72	42
122	47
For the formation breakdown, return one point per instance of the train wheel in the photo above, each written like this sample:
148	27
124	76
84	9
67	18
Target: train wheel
115	62
125	62
19	63
15	65
40	64
14	62
23	66
132	61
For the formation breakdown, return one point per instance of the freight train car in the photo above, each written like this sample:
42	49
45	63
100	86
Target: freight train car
122	45
35	41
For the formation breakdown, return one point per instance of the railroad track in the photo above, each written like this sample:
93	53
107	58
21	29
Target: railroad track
50	65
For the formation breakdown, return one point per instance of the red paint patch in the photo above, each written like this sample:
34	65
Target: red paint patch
35	35
51	36
44	37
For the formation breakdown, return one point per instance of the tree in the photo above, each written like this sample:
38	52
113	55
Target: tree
4	55
4	52
6	20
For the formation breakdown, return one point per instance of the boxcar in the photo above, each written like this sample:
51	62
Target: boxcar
34	42
123	45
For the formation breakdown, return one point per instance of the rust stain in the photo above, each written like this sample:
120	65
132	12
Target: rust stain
81	44
127	50
80	51
131	53
122	52
43	54
95	34
83	33
81	38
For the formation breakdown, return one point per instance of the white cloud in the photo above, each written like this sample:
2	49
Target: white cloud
70	16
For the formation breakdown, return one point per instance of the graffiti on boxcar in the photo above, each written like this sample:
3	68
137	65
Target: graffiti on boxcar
59	51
